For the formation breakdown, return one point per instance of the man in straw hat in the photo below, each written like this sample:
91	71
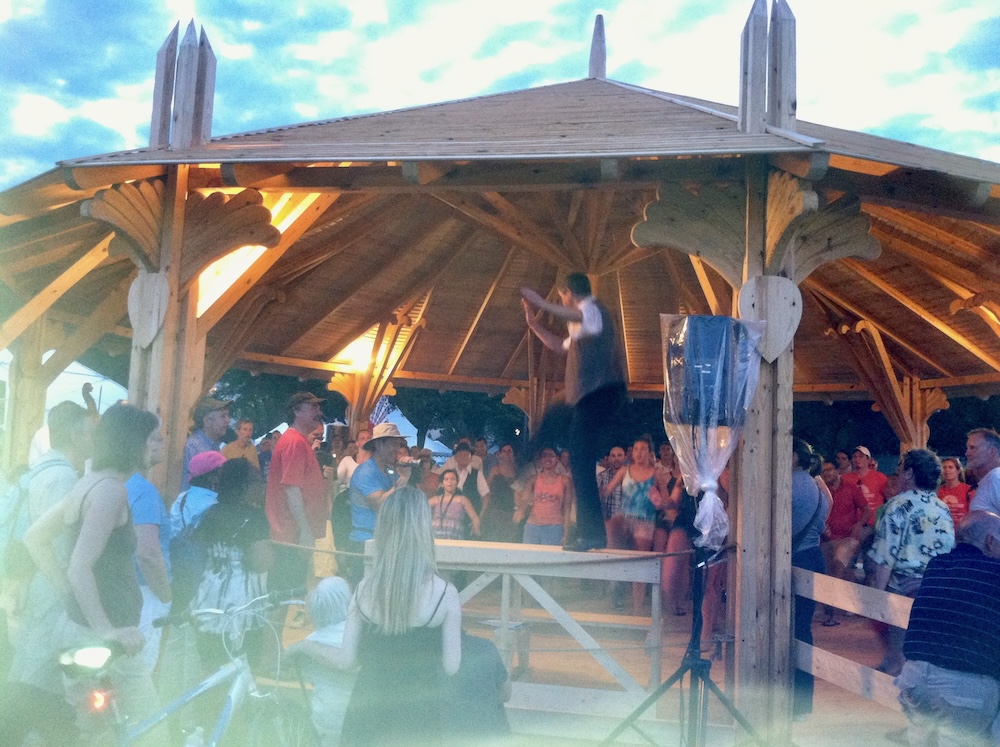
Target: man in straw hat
371	483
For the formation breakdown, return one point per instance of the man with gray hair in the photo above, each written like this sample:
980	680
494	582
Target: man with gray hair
982	457
948	686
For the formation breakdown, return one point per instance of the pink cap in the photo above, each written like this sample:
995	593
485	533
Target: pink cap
205	462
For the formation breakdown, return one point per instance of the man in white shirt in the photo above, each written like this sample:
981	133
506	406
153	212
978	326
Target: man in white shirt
982	457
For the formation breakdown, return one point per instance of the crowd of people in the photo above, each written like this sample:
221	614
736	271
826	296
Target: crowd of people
930	532
102	557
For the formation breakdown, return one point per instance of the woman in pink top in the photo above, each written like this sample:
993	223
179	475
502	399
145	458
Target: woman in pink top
547	504
954	492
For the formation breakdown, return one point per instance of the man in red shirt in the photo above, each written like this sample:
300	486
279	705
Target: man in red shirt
845	525
872	482
297	504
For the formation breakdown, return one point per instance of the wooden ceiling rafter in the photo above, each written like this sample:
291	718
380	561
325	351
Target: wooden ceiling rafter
845	304
482	308
705	284
526	336
571	244
927	232
29	262
310	254
419	284
258	300
497	224
106	315
312	208
42	301
695	304
910	305
982	278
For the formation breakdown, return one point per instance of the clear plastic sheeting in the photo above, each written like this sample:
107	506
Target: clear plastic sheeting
710	370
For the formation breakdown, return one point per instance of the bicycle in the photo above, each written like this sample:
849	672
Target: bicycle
268	719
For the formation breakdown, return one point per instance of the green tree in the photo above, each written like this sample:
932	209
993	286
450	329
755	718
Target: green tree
458	414
261	398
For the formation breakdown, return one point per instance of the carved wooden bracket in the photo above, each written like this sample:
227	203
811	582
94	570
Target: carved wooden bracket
214	225
393	342
920	405
835	231
905	405
708	221
704	220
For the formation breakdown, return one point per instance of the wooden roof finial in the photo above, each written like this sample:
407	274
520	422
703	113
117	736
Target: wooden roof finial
163	91
781	95
753	70
194	91
598	51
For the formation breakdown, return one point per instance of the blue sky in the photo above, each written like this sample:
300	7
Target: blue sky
76	78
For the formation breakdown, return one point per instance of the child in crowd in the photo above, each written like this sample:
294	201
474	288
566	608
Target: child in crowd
475	696
328	605
450	510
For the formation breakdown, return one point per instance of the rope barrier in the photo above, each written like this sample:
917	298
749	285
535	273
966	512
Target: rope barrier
578	558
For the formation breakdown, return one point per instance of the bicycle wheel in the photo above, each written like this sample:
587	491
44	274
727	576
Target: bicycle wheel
273	721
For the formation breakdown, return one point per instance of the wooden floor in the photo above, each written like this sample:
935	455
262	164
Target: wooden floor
839	718
555	659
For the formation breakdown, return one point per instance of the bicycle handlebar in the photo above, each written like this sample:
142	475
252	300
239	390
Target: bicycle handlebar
267	601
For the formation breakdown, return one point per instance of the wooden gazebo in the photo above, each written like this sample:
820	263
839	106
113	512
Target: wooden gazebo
390	248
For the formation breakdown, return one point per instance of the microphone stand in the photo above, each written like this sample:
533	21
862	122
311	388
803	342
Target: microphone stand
699	670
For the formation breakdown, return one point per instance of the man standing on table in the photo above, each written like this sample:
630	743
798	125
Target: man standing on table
594	389
296	502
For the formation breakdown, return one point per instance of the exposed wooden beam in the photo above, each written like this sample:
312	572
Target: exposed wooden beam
106	316
500	226
534	232
925	191
982	278
527	334
624	326
420	280
312	208
483	176
482	307
706	285
925	314
695	304
45	298
823	292
917	228
959	381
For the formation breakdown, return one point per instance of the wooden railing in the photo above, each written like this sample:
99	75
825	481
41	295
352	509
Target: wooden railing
861	600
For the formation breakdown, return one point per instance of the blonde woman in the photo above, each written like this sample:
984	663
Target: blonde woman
403	629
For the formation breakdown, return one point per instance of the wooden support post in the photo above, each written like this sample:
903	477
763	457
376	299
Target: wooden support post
763	530
162	374
26	387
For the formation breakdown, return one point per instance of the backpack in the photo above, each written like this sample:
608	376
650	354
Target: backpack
15	561
187	562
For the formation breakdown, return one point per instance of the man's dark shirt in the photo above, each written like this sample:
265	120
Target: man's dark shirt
954	619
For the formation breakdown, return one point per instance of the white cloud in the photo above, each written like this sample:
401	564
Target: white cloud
124	113
17	170
36	115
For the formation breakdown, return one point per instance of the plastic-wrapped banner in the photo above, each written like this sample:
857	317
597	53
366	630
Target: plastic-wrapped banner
710	372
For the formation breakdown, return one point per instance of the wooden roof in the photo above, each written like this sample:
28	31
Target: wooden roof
443	212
